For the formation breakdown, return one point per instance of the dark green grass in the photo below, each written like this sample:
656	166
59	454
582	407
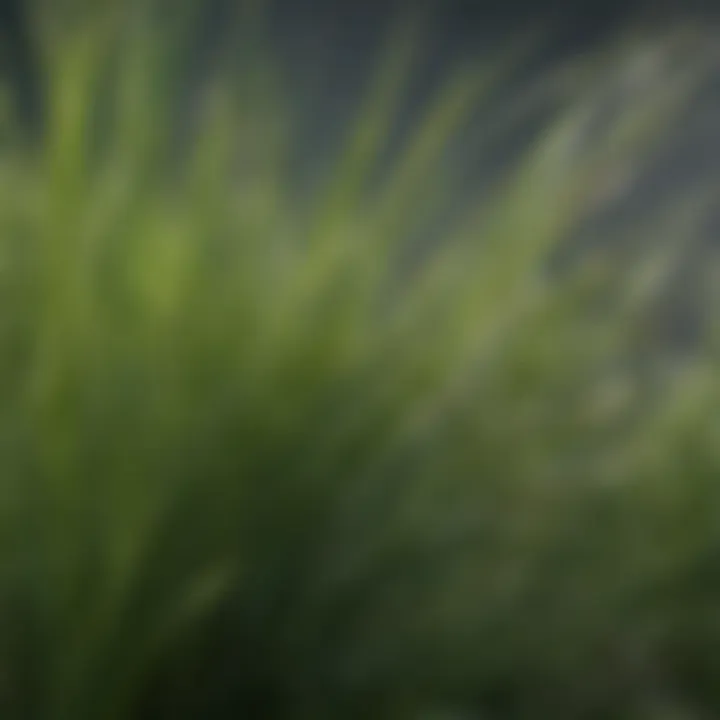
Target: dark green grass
247	472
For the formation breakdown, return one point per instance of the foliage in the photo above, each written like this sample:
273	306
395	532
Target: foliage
262	458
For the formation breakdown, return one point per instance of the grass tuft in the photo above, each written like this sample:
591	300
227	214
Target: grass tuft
257	463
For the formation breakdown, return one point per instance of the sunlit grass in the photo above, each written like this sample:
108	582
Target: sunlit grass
257	464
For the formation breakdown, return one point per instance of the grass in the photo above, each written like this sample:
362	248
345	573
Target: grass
256	463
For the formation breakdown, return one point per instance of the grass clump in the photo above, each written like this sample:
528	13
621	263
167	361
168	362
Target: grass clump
258	460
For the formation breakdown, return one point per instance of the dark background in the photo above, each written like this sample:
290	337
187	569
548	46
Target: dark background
341	35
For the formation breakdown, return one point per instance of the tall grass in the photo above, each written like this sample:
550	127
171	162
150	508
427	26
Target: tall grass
258	463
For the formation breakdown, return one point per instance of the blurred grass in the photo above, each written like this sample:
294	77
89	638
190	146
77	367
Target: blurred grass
255	466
